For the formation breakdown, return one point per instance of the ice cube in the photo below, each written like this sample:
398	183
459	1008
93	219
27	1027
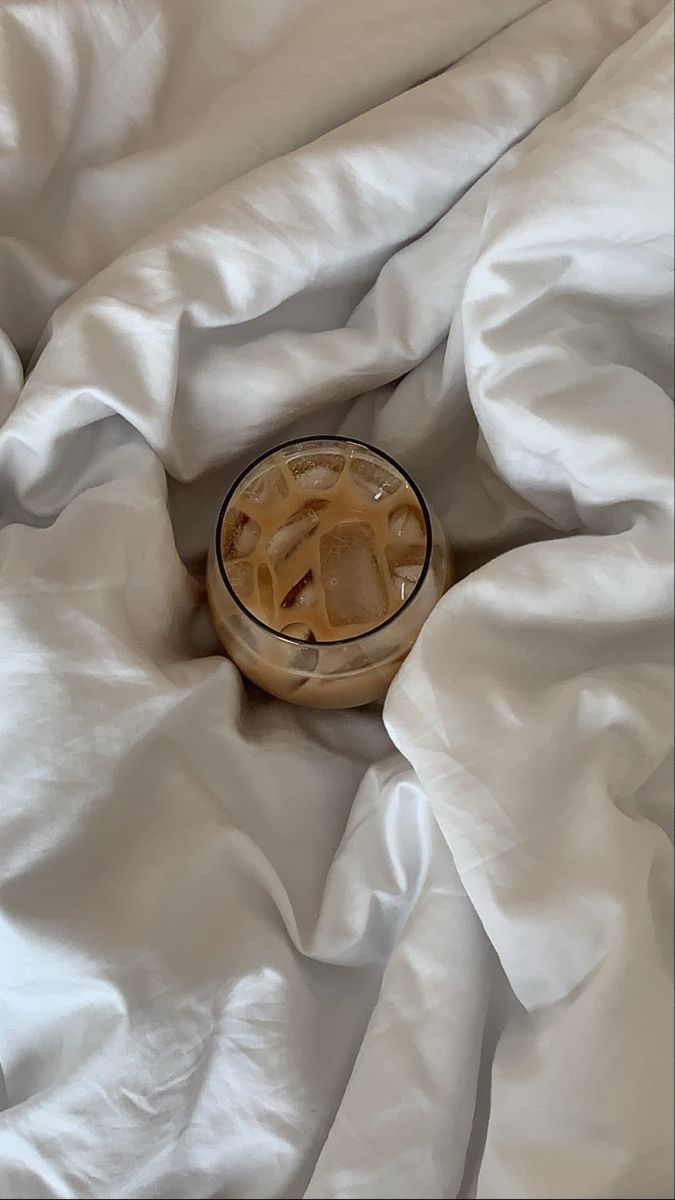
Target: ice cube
266	591
406	523
239	536
351	577
304	658
302	594
405	579
241	577
405	564
268	488
297	529
317	472
344	660
373	478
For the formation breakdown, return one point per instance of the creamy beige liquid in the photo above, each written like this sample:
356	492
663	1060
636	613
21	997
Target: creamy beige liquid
325	545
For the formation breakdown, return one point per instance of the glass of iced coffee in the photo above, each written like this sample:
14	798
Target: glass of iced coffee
326	562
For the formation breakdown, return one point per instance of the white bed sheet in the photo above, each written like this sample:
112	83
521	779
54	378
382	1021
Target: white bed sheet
251	951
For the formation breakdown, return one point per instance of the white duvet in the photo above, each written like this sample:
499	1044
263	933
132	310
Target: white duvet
248	950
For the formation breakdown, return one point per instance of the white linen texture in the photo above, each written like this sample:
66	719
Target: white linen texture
248	950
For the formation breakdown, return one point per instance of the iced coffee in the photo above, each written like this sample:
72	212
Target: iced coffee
325	564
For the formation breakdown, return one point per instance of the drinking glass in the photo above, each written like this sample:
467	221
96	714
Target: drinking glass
378	562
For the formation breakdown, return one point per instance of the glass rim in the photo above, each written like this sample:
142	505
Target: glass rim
323	437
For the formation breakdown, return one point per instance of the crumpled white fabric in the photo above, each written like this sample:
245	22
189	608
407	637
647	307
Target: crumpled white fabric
253	951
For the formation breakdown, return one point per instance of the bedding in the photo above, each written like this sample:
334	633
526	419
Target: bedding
248	950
